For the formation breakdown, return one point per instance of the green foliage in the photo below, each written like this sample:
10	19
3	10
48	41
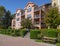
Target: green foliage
15	33
39	40
20	32
26	23
10	32
23	32
58	44
44	32
9	27
2	11
13	16
52	18
50	33
7	19
34	34
59	35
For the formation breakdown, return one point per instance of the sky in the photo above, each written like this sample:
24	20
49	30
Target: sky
12	5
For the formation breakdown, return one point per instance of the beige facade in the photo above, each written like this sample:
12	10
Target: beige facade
33	12
56	3
13	24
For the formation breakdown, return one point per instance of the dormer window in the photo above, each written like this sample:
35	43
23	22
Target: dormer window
29	9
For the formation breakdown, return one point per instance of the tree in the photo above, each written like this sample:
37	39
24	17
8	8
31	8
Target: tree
7	19
13	16
2	10
52	18
2	13
26	23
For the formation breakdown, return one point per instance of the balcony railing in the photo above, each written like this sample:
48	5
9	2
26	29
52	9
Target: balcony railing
36	22
36	9
36	16
43	9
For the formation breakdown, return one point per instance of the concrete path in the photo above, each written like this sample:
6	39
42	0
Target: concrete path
19	41
27	35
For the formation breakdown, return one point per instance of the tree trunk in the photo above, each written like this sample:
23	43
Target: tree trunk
48	27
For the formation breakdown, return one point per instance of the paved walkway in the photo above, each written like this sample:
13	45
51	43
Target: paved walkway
27	35
19	41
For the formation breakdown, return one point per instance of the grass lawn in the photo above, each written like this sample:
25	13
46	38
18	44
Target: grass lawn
38	40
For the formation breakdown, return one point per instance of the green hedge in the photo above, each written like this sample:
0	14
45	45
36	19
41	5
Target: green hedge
20	32
34	34
15	33
10	32
50	33
23	32
59	36
58	44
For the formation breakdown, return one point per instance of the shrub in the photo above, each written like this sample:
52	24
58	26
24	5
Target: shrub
23	32
9	27
58	44
58	35
34	34
10	32
17	32
50	33
2	31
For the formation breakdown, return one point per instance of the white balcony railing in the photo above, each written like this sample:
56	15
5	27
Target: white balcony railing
43	9
36	22
36	9
36	16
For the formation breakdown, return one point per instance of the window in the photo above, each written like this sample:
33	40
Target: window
29	9
17	19
59	2
29	16
54	4
18	14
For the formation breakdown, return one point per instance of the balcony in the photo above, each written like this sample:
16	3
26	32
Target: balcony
36	16
43	9
22	14
36	25
36	22
22	19
37	9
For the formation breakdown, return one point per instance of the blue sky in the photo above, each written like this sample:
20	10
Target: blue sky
12	5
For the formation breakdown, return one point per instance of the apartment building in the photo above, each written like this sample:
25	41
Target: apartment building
32	11
56	3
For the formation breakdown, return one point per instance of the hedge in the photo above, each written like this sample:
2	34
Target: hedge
10	32
50	33
34	34
59	36
20	32
58	44
15	33
23	32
